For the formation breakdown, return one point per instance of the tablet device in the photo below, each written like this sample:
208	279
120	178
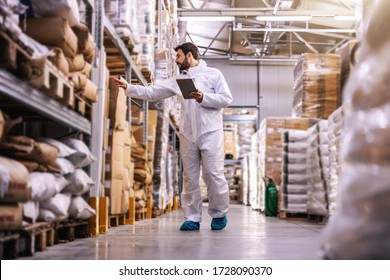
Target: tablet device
186	87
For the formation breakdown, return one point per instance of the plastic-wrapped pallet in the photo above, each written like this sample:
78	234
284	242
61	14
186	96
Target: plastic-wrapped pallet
316	85
294	166
245	179
254	176
335	129
360	226
245	132
161	189
123	15
318	169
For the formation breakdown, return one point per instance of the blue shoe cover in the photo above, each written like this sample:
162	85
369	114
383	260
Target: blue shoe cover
218	223
189	225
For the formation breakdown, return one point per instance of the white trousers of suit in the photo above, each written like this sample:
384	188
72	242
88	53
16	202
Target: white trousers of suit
208	152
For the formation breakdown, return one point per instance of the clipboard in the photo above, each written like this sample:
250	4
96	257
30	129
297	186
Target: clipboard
186	87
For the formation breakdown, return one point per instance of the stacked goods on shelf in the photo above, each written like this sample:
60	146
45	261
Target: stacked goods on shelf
245	167
318	169
146	14
254	176
245	132
232	175
123	15
55	180
271	146
162	192
360	225
14	192
316	85
143	157
118	167
294	178
73	48
348	56
335	129
230	141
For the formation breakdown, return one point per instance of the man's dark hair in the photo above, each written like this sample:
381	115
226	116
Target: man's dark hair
189	47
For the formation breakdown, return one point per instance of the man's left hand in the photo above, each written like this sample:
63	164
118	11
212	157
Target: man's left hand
197	95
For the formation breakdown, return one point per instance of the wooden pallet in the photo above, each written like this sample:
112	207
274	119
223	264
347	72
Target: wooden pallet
284	215
9	245
140	214
47	78
67	231
316	218
12	55
116	220
83	107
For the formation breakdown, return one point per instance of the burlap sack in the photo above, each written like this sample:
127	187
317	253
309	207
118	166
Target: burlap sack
13	182
76	63
59	60
22	147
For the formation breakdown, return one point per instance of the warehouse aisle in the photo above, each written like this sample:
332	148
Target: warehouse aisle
249	235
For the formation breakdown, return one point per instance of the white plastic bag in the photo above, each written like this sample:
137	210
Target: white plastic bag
43	186
65	166
63	150
79	182
83	156
59	204
79	209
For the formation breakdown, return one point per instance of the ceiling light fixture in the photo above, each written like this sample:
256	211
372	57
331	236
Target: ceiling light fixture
284	18
210	18
345	18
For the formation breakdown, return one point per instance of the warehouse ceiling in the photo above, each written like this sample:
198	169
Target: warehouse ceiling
317	26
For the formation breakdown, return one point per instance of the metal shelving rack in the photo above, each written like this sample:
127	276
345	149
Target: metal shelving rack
103	25
38	102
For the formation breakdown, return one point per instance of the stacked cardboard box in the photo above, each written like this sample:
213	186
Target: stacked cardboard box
230	143
316	85
271	145
118	168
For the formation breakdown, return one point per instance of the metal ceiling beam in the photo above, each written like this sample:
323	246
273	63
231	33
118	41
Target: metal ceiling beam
313	49
247	12
215	37
191	4
295	29
337	45
203	4
346	5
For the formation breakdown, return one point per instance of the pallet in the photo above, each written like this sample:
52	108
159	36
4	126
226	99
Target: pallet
83	107
34	238
316	218
283	215
9	245
12	55
140	214
67	231
116	220
47	78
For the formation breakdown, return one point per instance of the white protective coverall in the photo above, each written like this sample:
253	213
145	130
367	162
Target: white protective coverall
201	137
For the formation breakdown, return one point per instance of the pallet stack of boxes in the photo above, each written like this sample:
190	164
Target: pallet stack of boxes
118	166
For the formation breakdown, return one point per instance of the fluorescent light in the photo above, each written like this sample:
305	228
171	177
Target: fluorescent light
345	18
211	18
283	18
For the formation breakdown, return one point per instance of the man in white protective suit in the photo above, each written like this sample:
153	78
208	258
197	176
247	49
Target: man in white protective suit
200	132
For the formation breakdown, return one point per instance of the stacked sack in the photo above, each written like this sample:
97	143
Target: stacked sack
53	174
318	169
57	25
294	166
360	226
335	129
245	132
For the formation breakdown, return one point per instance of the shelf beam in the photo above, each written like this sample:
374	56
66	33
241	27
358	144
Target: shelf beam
110	29
41	103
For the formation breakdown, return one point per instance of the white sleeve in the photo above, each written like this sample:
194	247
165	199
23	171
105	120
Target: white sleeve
149	93
222	96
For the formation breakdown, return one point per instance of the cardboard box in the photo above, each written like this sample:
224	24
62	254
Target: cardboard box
137	114
152	117
116	204
125	201
126	179
113	187
114	170
106	133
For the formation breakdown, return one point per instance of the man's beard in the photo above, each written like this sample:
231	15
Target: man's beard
184	66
